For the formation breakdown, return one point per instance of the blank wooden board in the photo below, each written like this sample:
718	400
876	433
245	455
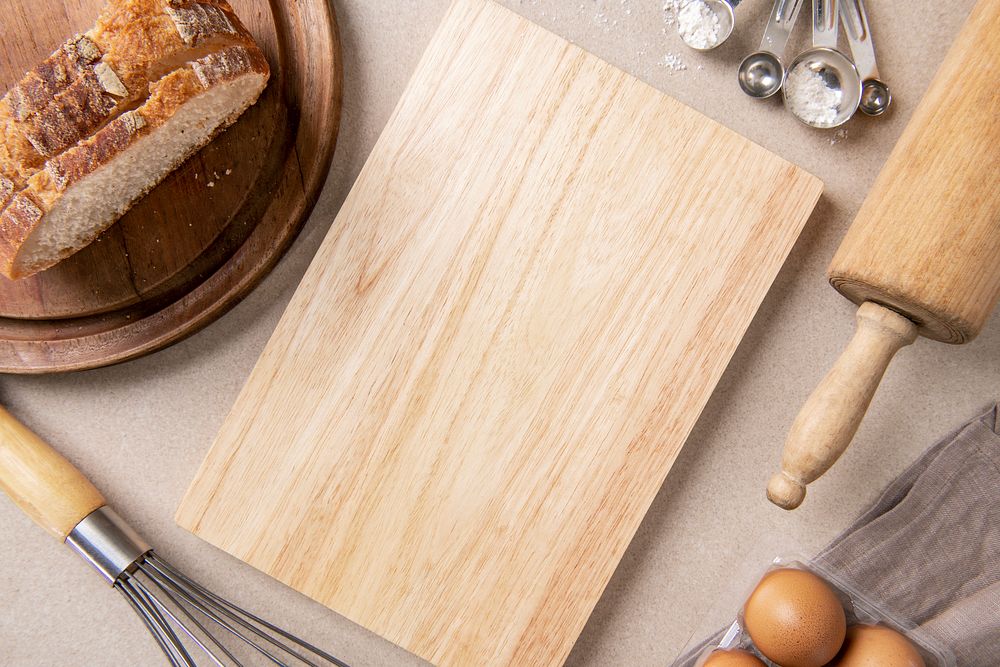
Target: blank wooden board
499	349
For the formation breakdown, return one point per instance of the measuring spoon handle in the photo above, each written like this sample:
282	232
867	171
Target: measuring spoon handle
860	38
779	26
826	21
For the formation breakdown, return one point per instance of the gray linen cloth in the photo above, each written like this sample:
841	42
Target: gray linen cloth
929	548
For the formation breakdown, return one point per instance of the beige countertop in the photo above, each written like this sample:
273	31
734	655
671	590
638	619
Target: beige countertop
140	429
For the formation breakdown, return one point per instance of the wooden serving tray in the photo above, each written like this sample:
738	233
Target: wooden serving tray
200	241
500	348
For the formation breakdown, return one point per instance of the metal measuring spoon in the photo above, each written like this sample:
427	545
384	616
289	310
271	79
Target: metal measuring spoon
875	95
724	10
762	72
834	71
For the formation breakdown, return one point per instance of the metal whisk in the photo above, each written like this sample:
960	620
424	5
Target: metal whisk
190	624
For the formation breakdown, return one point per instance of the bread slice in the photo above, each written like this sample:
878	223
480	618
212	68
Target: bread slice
95	77
82	191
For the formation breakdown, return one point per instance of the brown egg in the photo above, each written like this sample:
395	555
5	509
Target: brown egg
734	658
795	619
877	646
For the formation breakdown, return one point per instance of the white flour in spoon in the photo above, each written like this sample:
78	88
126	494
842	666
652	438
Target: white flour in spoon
698	25
810	98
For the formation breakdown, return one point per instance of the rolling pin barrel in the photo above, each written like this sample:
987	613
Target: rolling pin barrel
923	254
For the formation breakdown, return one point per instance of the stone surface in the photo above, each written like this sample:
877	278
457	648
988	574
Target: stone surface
140	429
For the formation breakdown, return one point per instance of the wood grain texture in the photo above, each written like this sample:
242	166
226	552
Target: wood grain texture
926	242
499	349
47	487
188	251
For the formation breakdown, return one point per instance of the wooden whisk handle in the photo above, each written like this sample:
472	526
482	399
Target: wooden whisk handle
47	487
830	417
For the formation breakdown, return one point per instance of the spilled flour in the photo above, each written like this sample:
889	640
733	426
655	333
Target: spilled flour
692	20
810	98
839	136
672	61
671	8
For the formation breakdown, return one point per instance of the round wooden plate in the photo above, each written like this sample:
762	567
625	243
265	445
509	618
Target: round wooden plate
201	240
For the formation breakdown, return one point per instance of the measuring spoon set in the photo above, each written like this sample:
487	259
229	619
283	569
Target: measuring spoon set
822	87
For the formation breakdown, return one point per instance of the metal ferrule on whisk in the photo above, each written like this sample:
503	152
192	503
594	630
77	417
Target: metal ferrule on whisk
104	540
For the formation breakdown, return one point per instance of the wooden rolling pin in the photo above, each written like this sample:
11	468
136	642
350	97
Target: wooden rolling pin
923	254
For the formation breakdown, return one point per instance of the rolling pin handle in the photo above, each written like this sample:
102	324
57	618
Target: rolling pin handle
830	417
785	492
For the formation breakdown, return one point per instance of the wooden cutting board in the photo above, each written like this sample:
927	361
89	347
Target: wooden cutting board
201	240
500	348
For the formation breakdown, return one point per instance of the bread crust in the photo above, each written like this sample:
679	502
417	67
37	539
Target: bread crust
18	158
44	80
138	35
22	215
75	112
28	207
6	189
95	77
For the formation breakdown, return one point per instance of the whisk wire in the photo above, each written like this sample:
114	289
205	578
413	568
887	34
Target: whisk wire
184	626
153	630
180	614
204	600
150	615
204	607
162	622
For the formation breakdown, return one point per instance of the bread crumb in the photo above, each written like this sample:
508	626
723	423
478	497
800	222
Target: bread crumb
211	184
228	171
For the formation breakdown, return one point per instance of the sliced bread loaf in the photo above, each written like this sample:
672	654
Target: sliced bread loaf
95	77
82	191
